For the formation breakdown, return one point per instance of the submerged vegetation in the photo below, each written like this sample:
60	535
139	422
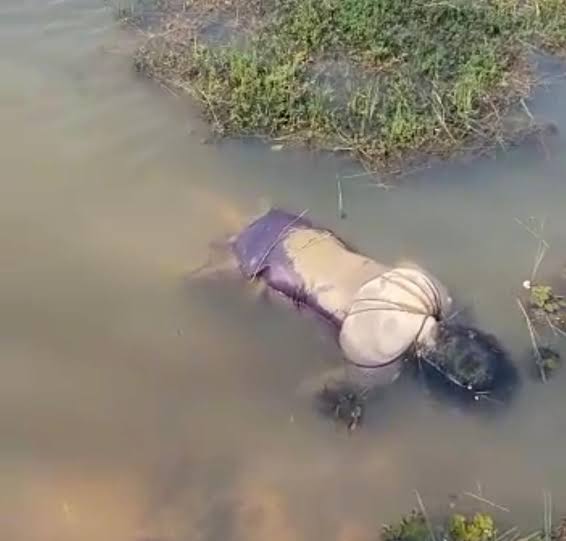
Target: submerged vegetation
547	310
546	304
475	527
480	527
415	527
383	79
544	308
412	527
549	361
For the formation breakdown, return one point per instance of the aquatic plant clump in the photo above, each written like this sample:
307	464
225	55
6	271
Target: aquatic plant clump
480	527
548	361
415	527
381	78
342	402
546	312
412	527
547	306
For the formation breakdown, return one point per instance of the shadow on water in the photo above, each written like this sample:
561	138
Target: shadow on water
133	407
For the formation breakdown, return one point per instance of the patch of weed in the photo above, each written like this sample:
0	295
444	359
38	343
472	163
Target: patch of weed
431	76
412	527
480	527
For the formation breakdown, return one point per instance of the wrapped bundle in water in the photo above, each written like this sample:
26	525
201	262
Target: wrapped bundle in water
382	316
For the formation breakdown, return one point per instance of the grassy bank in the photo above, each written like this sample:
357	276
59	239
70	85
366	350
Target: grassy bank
388	80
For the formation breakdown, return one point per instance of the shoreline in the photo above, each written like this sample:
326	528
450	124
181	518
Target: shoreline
454	84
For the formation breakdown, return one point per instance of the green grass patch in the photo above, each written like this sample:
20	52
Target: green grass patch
386	79
479	526
457	527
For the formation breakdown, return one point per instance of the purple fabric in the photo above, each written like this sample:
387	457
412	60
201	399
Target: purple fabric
260	251
258	246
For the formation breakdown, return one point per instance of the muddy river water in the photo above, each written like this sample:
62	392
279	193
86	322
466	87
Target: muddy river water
136	406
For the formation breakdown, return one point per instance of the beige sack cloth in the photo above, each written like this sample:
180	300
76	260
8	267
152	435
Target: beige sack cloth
383	310
389	314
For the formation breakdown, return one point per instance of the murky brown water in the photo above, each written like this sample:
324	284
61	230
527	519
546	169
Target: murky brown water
134	406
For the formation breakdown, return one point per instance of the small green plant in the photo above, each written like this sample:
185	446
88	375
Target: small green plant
480	527
412	527
543	298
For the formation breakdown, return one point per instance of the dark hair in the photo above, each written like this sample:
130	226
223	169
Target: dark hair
469	365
